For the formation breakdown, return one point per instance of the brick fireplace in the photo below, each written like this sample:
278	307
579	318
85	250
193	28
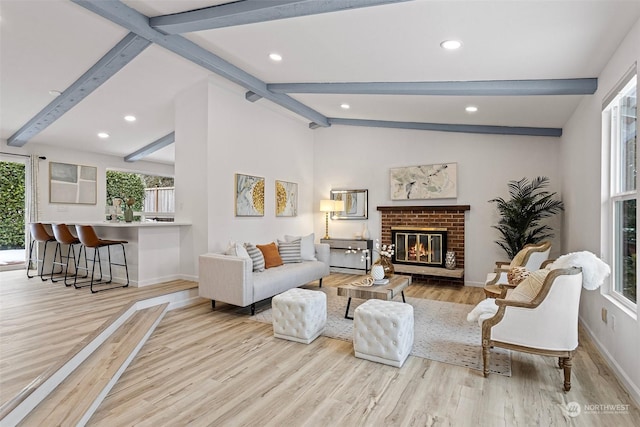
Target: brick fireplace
451	218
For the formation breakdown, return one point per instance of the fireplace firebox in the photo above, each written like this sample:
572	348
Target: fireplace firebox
423	246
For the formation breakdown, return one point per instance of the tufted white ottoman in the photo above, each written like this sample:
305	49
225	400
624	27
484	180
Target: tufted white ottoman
383	331
299	315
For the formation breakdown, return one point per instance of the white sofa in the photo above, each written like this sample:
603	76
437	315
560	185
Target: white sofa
231	279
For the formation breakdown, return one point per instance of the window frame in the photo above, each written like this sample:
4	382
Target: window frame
616	192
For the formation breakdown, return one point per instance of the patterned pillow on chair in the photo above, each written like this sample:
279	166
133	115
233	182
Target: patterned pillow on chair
517	275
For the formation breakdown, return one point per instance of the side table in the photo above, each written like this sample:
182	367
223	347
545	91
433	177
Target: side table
340	259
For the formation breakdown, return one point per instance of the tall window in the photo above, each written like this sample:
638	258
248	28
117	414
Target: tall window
620	137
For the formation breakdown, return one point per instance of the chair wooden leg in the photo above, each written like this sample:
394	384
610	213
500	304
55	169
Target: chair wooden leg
560	363
485	360
566	365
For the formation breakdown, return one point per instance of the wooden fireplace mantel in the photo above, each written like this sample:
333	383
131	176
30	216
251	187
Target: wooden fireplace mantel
431	208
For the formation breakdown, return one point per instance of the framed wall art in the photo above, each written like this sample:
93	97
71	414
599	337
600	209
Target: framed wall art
286	198
355	204
249	195
74	184
437	181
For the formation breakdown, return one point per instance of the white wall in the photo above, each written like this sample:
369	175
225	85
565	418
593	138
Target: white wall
241	137
78	213
581	162
358	157
192	178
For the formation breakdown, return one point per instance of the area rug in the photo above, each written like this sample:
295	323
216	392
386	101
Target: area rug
441	331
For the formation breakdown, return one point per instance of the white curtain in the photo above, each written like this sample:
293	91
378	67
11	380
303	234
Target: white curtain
32	194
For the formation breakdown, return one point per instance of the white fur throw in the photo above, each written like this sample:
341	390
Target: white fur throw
594	270
485	309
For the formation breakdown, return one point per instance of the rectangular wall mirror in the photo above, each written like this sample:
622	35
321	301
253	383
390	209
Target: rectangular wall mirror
355	204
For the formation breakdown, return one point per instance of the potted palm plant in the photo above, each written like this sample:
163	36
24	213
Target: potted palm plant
521	216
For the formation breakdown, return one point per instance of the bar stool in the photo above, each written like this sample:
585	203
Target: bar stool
89	239
41	235
64	237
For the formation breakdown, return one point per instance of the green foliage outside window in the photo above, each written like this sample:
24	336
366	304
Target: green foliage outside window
12	184
125	185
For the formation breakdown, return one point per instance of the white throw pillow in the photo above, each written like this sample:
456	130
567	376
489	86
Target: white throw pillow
307	246
236	249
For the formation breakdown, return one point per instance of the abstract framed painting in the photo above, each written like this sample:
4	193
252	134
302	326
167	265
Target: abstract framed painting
437	181
249	195
73	184
286	198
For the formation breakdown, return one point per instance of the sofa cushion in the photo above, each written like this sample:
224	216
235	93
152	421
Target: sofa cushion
307	246
527	290
271	255
289	251
256	257
236	249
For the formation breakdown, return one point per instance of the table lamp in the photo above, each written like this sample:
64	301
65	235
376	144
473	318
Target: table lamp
330	206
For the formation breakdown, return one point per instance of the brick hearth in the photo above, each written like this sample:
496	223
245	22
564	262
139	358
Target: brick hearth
449	217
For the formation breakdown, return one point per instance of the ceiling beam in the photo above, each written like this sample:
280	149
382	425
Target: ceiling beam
582	86
252	11
151	148
138	23
252	97
443	127
119	56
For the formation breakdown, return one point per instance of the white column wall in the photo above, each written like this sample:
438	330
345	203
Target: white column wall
192	175
359	157
581	162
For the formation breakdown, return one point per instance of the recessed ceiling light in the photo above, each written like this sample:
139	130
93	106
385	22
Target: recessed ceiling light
130	118
451	44
471	109
345	106
275	57
103	135
54	92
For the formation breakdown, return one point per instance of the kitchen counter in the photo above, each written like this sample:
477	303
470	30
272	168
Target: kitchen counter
153	249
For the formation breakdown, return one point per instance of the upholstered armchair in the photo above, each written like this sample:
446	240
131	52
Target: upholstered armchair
532	257
547	324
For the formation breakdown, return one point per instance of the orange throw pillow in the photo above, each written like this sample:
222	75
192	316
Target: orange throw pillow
271	255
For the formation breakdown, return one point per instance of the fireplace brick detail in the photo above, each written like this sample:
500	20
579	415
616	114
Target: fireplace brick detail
450	217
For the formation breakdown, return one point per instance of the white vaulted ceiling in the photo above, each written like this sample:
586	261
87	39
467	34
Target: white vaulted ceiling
47	45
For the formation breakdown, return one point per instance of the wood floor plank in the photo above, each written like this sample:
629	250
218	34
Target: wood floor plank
218	368
70	401
40	322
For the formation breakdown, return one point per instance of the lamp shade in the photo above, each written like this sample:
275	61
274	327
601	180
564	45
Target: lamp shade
331	205
327	205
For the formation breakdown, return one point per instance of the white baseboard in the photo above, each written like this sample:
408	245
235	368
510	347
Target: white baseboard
621	375
190	277
156	280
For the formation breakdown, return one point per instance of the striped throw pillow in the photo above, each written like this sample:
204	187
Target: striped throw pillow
289	251
256	257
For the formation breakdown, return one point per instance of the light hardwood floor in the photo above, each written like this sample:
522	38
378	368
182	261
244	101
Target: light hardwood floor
204	367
